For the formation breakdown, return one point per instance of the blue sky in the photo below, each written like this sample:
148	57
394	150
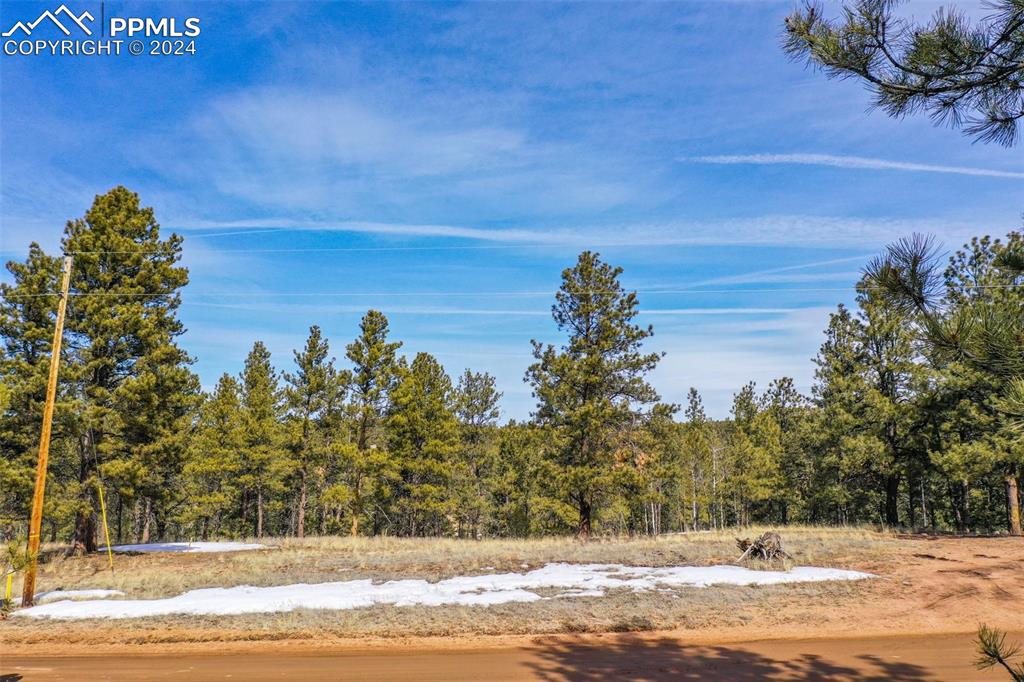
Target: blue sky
444	163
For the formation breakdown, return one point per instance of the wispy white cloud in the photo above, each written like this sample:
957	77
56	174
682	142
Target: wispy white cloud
717	311
440	311
359	150
285	307
512	235
787	273
719	356
855	162
786	230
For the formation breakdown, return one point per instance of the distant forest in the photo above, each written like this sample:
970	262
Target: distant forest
914	419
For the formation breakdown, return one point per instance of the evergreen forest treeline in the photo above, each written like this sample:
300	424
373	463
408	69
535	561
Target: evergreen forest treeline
907	423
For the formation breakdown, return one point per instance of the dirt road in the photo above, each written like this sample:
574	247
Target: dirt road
646	658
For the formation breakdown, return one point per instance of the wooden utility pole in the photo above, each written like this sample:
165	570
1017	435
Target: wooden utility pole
29	588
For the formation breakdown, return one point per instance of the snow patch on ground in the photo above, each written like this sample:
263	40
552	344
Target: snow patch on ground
186	547
61	595
483	590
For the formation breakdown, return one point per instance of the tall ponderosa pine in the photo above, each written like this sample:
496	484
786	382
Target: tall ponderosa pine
893	372
868	374
424	438
594	387
843	482
701	496
265	466
972	317
308	393
971	314
133	392
373	378
476	405
790	410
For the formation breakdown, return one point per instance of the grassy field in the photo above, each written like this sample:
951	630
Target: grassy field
321	559
332	559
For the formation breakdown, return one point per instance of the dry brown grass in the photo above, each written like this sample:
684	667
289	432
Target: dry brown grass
331	558
322	559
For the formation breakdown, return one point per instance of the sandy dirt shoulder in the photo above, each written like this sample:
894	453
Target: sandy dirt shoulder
649	656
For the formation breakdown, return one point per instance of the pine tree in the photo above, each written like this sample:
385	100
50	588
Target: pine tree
961	74
699	459
970	314
133	391
476	406
307	395
27	309
890	361
524	500
368	467
754	448
843	481
790	410
423	439
214	462
960	414
592	389
265	463
979	434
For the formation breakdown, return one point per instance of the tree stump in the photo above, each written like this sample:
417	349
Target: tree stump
768	547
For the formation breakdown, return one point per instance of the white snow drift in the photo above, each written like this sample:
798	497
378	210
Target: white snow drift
64	595
574	580
186	547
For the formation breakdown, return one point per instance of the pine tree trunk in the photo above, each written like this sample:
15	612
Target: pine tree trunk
583	532
924	505
693	501
85	533
958	509
1013	501
161	526
300	525
714	492
966	488
355	518
120	515
259	513
892	500
144	537
85	529
911	509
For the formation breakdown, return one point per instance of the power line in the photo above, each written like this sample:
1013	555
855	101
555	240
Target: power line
342	249
503	294
449	247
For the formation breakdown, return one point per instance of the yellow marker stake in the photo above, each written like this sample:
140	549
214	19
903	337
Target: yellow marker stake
10	583
106	531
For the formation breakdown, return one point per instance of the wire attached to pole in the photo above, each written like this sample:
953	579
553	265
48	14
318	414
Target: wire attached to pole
106	530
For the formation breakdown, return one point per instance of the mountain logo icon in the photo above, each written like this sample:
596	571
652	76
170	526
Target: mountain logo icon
78	20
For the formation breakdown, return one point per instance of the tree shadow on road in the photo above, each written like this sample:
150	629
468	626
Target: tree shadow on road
646	660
